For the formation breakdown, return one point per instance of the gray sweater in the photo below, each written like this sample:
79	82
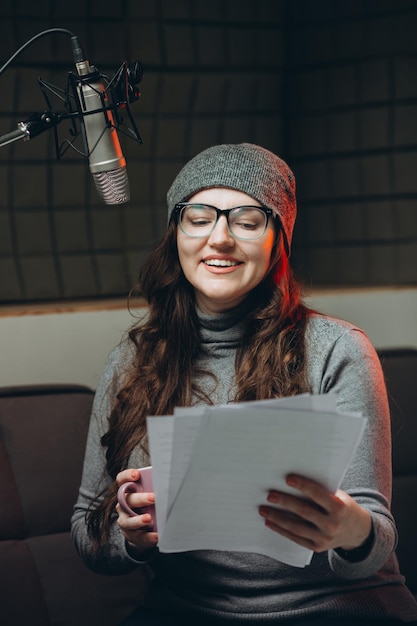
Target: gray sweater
239	586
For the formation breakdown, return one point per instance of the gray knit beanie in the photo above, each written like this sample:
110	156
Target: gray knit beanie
246	167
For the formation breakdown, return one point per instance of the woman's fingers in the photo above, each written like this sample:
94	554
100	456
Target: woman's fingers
317	519
136	529
127	475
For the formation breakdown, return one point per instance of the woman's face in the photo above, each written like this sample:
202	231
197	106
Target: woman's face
222	269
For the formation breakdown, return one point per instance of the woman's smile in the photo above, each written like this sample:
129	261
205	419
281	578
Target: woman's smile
221	264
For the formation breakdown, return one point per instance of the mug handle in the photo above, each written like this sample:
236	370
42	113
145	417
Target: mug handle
135	487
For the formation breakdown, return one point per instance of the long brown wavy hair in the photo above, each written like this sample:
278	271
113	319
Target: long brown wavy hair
270	361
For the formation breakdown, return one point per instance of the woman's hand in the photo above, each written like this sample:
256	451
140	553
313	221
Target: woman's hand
135	528
320	520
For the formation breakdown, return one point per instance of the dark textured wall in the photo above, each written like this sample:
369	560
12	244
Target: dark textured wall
328	85
351	124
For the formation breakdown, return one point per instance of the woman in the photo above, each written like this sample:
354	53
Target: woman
226	323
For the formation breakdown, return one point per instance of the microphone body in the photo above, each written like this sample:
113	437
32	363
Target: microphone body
106	161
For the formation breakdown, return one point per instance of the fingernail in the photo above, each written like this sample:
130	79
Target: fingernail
273	497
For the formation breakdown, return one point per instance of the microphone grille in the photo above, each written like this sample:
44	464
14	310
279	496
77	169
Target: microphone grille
113	186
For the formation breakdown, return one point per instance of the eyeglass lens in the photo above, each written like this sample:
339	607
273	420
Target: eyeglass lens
245	222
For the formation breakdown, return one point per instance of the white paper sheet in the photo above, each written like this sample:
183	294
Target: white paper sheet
213	467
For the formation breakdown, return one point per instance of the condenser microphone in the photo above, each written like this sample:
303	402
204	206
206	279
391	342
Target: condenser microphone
106	161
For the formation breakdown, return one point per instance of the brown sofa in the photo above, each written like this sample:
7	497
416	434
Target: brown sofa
43	581
400	368
43	429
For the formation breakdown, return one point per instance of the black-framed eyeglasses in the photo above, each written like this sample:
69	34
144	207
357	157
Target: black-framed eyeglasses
199	220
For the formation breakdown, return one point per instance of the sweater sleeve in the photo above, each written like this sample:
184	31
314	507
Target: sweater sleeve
112	558
345	363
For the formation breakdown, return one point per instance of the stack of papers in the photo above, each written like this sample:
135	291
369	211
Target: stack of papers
213	467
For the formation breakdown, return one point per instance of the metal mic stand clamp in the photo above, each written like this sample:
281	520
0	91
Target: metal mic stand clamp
36	124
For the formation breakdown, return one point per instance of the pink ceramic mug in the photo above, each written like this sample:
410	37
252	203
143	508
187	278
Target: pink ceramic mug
144	484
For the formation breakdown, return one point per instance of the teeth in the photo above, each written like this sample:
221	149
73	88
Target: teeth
221	262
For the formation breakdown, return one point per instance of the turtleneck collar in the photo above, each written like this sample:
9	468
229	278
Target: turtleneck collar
227	319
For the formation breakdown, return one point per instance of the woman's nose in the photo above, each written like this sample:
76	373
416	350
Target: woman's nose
221	235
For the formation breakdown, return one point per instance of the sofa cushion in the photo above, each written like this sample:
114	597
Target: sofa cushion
43	431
